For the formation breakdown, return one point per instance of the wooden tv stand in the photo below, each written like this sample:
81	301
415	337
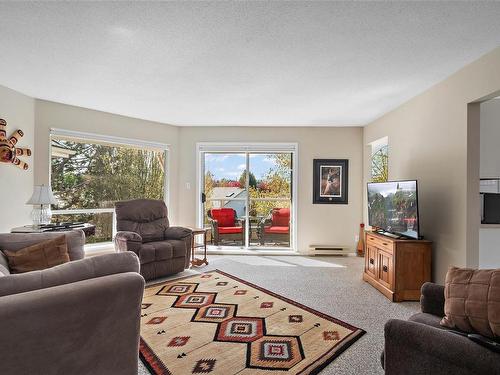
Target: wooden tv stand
397	267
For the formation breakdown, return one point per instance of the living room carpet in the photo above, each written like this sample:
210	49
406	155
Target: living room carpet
216	323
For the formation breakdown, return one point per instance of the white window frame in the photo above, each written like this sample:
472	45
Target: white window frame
250	147
119	141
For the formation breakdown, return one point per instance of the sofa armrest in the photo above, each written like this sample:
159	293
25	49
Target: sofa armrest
177	233
128	241
71	272
416	348
432	299
86	327
128	236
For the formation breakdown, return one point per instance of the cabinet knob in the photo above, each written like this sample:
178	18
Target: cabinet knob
385	243
372	261
384	268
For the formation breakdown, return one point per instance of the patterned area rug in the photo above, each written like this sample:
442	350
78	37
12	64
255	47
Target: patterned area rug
215	323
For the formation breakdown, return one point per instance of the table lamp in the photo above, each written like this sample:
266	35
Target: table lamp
41	200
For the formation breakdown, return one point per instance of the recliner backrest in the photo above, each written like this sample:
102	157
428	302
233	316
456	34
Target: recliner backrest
147	217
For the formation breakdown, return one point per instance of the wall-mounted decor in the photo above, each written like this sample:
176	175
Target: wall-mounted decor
330	185
8	151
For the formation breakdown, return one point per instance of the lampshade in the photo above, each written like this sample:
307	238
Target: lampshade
42	194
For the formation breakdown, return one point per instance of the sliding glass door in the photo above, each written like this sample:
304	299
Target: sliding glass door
246	197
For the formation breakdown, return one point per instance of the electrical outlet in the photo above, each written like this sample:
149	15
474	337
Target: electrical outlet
356	238
188	185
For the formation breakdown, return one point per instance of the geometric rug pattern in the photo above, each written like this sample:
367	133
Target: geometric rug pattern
216	323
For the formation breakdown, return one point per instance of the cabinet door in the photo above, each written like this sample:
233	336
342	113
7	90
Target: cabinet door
385	269
371	261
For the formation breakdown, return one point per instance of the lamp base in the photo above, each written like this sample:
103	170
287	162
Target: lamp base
41	215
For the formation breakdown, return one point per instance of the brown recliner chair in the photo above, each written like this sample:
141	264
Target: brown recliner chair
143	228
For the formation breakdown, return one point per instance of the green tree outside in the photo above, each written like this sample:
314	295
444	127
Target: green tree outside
380	165
96	175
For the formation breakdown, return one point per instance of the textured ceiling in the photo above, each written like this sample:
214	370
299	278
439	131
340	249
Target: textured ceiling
240	63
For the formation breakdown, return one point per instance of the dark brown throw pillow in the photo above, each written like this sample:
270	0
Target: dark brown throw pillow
42	255
472	301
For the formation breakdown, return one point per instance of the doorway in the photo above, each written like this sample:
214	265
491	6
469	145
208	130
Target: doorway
247	195
489	189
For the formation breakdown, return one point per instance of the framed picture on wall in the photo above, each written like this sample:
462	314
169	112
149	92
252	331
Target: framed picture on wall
330	184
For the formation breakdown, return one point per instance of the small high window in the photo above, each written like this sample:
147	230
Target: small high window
380	160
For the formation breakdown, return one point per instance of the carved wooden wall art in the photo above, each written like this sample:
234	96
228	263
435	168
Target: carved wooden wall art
8	151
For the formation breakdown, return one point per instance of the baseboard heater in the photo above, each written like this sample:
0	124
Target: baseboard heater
330	250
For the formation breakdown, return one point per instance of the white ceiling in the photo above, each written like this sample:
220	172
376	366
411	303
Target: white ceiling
240	63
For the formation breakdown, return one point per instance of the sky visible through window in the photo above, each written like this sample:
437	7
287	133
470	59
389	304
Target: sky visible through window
231	166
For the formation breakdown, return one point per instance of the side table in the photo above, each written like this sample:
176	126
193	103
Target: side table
197	262
88	229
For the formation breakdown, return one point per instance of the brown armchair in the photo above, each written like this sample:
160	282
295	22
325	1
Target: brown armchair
226	226
144	229
275	227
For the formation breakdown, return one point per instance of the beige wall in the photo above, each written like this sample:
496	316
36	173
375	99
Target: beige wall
429	140
434	138
54	115
317	224
328	224
16	185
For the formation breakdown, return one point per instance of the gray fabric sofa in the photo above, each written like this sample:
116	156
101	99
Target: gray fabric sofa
75	240
420	346
80	317
144	229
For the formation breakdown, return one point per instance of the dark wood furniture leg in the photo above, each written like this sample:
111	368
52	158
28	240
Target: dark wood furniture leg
196	262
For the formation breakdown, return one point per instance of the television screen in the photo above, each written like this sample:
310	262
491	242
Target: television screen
491	208
393	207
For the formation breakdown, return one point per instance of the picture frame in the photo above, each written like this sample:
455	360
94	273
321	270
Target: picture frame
330	181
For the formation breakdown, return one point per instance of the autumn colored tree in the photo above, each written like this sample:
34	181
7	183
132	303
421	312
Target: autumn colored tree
209	183
252	181
276	183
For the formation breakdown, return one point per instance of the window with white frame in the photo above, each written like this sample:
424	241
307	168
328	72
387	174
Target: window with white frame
89	173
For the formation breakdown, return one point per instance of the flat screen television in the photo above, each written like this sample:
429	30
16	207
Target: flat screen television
393	207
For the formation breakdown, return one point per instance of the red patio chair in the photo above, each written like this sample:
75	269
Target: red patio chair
226	226
276	227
